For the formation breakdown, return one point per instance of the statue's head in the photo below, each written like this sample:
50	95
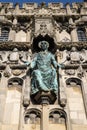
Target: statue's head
43	45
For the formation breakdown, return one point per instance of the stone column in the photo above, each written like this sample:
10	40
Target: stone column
68	121
45	117
20	125
74	35
61	87
26	98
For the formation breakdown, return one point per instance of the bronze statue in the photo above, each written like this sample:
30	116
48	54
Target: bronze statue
44	65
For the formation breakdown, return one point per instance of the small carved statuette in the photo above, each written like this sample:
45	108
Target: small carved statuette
14	56
74	57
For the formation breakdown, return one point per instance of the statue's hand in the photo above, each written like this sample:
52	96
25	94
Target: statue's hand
61	65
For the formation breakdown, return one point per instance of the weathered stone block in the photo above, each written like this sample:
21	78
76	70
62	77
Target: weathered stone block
79	127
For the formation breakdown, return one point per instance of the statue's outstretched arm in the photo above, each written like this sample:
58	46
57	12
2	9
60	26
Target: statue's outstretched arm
56	64
59	65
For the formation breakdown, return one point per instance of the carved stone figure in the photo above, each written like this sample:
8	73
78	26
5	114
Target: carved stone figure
14	56
74	56
43	30
44	65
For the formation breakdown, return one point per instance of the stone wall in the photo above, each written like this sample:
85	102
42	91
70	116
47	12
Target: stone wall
21	28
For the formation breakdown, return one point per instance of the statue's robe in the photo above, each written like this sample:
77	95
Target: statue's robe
44	76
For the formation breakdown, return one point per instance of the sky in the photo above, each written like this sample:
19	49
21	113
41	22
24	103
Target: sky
39	1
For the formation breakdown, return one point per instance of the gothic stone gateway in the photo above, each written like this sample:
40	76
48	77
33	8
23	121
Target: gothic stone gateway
27	99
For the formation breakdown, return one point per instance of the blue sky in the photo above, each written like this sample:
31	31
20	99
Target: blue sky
39	1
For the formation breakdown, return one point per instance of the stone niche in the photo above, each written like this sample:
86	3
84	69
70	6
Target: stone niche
32	119
57	119
75	100
13	98
32	116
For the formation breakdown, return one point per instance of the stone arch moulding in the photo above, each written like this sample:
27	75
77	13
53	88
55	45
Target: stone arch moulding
58	116
15	82
32	116
73	79
82	83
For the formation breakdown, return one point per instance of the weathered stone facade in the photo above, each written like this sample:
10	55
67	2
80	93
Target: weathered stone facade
65	28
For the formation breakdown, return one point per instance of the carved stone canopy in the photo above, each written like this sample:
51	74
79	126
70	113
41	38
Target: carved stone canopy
57	116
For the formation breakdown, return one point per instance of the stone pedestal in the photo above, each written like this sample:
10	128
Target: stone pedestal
45	117
44	97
